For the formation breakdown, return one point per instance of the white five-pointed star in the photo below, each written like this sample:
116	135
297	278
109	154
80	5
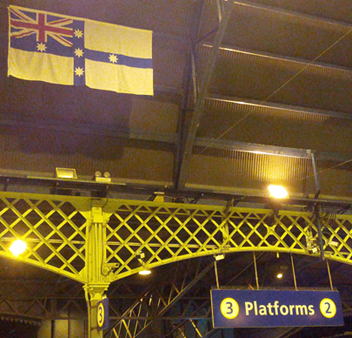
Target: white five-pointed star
78	52
78	33
79	71
41	47
113	58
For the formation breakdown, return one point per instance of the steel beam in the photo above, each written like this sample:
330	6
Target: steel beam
293	13
279	107
190	85
24	181
196	113
251	147
304	62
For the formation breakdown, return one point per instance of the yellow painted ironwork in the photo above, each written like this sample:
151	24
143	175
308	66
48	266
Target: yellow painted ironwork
53	229
168	232
97	241
56	229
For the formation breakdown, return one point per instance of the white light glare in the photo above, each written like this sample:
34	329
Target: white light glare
277	191
145	272
18	247
279	275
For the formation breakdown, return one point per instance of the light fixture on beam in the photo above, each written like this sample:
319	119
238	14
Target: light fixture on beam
277	191
140	256
18	247
145	272
104	178
67	173
219	257
280	271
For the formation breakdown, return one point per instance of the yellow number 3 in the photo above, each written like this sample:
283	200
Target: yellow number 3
229	308
100	315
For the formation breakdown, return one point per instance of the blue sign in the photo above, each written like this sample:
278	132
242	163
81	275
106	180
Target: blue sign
103	314
263	308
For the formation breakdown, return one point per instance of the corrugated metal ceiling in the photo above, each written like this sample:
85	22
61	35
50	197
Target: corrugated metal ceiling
282	78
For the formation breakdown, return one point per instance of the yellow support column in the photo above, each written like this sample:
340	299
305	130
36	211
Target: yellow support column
94	294
96	283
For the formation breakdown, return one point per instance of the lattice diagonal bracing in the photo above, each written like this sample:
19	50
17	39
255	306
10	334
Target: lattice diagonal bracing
140	234
53	229
169	232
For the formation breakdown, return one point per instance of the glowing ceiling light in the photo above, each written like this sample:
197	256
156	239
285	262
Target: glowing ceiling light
145	272
279	275
18	247
277	191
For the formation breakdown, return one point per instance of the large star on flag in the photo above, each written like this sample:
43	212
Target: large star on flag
41	47
113	58
78	33
79	71
78	52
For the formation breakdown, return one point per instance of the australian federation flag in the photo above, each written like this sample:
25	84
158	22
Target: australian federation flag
66	50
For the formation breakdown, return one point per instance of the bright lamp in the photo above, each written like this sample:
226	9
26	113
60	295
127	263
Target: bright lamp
18	247
277	191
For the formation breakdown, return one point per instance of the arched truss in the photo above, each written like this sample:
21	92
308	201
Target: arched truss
138	234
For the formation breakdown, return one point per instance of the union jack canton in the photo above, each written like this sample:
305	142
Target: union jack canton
47	33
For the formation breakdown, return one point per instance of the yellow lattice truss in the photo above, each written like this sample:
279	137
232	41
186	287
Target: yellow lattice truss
131	235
